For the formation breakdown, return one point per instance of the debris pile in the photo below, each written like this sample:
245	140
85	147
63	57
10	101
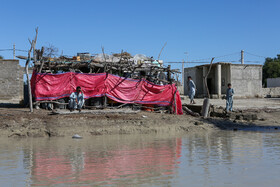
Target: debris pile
240	115
121	64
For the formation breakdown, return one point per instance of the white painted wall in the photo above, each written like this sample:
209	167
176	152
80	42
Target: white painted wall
246	80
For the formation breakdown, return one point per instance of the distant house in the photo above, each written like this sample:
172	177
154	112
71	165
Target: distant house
273	82
11	82
245	79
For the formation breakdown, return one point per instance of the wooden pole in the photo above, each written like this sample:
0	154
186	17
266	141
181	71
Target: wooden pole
169	73
187	110
205	78
105	101
33	44
121	57
105	67
205	107
161	50
42	61
28	84
14	51
183	74
175	105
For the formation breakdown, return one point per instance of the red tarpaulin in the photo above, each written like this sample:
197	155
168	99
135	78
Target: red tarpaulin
120	89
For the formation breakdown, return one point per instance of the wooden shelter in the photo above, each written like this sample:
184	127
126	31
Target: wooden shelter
121	64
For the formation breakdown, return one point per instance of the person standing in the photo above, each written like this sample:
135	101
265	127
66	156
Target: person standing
192	89
229	98
76	100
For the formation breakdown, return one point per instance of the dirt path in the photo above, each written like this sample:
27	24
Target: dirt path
254	103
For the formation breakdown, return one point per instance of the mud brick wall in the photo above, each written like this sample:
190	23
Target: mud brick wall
11	81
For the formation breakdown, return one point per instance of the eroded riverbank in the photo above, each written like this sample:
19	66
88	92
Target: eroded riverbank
18	122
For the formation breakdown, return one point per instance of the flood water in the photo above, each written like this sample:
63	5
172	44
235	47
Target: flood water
222	158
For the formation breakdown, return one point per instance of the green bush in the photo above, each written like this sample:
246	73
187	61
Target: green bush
271	68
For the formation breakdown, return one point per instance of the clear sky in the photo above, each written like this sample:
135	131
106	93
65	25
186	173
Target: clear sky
203	28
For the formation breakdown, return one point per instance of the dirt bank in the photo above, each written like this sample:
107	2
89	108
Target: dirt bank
17	122
248	119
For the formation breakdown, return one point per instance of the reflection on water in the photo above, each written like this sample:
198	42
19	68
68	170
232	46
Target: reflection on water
210	159
103	159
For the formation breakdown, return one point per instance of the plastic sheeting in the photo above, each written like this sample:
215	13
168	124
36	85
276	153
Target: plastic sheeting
120	89
108	58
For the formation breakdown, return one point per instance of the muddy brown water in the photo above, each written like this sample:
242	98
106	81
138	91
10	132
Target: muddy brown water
219	158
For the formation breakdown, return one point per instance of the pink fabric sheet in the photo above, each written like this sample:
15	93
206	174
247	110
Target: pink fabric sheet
120	89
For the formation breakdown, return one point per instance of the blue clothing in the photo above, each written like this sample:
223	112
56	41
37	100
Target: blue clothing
192	89
76	97
229	93
229	99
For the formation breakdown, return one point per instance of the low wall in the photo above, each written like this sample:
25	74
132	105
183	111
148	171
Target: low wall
271	92
11	81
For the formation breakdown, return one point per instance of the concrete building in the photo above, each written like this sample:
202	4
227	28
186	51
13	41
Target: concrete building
273	82
245	79
11	79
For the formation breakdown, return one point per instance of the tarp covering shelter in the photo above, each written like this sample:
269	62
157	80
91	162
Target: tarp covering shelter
124	90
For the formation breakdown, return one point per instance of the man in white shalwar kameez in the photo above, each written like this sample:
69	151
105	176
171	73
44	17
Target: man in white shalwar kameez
76	100
192	89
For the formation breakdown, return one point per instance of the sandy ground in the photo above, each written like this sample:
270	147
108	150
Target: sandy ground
19	122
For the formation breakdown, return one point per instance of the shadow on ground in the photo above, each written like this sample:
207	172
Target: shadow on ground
10	105
226	124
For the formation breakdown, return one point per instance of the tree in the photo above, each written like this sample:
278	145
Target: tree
271	68
50	51
1	57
